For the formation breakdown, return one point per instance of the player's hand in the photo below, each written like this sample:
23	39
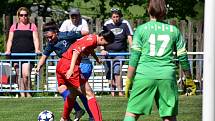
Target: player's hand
128	86
69	73
103	52
37	69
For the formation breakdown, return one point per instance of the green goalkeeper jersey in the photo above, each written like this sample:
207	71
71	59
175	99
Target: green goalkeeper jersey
152	50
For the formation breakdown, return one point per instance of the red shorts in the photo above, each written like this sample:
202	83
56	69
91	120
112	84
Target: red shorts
75	80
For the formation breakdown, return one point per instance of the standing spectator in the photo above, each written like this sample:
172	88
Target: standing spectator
76	24
152	68
23	38
123	32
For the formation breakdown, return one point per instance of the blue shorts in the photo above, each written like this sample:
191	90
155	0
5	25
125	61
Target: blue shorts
86	68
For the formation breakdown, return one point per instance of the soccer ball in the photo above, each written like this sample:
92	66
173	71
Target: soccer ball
46	116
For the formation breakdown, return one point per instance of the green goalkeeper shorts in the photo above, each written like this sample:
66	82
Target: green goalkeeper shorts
144	91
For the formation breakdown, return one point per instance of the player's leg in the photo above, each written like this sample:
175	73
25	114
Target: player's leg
92	102
166	99
80	112
69	99
69	104
66	86
130	117
64	92
141	98
170	118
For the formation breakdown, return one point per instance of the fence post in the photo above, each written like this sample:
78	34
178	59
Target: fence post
90	23
5	29
182	26
190	43
40	30
199	48
98	25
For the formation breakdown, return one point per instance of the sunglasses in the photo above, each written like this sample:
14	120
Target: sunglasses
114	9
25	15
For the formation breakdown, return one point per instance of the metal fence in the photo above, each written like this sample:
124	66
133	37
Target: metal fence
46	80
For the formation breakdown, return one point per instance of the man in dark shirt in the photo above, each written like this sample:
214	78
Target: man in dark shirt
123	32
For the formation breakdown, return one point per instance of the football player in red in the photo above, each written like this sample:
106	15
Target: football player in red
69	74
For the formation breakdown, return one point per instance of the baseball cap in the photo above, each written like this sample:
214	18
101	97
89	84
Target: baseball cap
74	11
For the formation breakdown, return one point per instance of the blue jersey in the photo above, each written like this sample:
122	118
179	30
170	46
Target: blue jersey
64	40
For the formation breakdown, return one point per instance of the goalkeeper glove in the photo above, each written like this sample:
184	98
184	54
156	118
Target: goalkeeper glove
190	84
128	86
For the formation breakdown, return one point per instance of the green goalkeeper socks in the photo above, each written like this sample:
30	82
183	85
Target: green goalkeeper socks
129	118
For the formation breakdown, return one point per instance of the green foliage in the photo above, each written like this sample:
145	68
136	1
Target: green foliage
101	8
181	8
2	40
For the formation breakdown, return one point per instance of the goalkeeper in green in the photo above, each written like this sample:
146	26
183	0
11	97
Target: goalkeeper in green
152	71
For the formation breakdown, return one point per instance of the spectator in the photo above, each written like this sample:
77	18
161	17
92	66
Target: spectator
23	38
123	32
152	70
76	24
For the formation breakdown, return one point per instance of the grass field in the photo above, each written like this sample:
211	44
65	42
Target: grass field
113	108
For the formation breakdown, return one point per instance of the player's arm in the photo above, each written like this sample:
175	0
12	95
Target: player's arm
183	59
41	62
182	55
135	53
98	60
133	61
47	51
75	55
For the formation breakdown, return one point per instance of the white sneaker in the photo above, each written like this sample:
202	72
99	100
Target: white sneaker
61	119
79	114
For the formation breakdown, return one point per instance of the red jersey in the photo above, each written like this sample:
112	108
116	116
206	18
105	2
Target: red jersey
85	46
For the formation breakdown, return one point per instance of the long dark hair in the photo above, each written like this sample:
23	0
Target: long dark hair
108	35
157	8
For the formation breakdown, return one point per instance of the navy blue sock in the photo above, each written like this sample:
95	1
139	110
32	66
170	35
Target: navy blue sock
77	106
85	103
65	93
